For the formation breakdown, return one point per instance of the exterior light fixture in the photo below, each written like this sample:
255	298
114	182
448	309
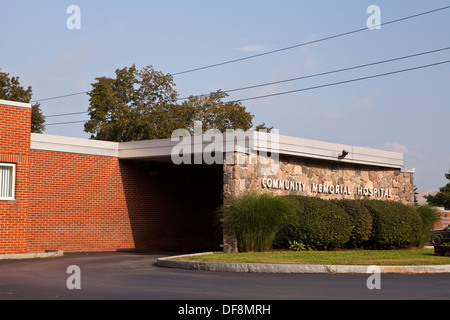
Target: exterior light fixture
343	155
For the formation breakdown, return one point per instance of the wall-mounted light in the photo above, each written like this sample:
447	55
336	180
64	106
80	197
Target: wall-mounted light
343	155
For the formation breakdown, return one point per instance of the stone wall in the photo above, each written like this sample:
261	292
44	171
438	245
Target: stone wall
317	178
310	177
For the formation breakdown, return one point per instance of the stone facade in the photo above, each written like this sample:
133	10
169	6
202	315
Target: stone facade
311	177
317	178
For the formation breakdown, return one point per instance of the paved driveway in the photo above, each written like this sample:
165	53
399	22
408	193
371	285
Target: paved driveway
134	276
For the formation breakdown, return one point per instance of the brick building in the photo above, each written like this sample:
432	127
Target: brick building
81	195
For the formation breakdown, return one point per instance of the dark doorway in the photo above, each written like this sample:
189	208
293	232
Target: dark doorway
173	207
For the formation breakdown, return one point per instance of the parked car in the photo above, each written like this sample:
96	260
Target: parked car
439	237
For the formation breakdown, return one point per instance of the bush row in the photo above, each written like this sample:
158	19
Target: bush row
367	224
260	222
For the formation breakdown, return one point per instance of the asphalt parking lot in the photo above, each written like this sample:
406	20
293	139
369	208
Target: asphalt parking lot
134	276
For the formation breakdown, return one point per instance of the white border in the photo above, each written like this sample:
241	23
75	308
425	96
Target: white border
154	149
15	104
14	166
74	145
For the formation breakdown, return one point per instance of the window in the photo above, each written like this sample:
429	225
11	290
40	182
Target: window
7	181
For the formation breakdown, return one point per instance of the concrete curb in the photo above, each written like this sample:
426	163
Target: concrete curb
42	255
294	268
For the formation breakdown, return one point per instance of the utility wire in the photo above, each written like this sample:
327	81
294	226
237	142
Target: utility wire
274	51
309	42
292	79
66	114
343	82
61	123
310	88
329	72
59	97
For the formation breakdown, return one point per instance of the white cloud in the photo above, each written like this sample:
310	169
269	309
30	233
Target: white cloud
397	147
368	102
311	38
251	48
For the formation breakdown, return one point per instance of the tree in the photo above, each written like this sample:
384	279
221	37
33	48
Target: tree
263	127
142	105
37	119
442	198
214	113
126	108
10	89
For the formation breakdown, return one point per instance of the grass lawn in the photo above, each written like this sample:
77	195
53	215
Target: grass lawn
347	257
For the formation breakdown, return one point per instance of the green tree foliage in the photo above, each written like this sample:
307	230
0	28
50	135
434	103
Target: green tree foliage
10	89
213	113
142	105
442	198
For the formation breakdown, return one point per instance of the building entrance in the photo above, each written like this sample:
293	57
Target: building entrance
173	207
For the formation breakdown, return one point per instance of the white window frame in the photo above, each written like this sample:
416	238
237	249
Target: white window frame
12	182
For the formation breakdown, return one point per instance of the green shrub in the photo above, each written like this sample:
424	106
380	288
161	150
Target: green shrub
395	225
320	224
361	222
429	217
255	220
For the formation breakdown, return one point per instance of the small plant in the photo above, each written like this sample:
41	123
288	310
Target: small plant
429	216
296	246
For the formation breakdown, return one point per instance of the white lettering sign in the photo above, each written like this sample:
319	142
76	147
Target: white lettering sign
290	185
283	184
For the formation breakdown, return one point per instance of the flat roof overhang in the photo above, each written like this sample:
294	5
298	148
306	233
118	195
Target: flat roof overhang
226	142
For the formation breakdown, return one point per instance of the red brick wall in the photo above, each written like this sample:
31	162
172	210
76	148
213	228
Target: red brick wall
15	123
77	203
173	207
82	203
85	203
445	220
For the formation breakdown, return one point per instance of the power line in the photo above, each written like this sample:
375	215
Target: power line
343	82
295	79
310	88
66	114
309	42
274	51
330	72
64	96
69	122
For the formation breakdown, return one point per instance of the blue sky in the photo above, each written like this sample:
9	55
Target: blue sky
407	112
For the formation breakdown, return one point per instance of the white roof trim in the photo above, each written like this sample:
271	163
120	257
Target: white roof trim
74	145
331	151
153	149
15	104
